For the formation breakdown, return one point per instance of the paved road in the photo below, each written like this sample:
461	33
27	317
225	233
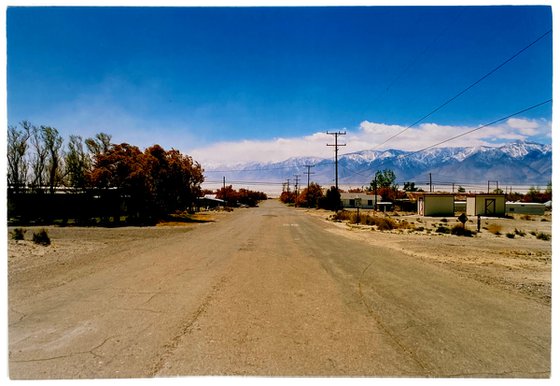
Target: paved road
272	291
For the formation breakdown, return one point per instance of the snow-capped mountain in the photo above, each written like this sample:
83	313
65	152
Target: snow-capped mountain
515	163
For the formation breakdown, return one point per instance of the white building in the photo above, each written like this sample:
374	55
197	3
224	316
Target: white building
525	208
364	201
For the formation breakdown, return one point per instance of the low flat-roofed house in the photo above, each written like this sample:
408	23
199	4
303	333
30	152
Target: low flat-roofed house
365	201
525	208
209	201
486	204
436	204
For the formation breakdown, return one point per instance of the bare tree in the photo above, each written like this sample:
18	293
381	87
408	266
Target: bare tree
77	163
53	145
99	145
39	158
16	153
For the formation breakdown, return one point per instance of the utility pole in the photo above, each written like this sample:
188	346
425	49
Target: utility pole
296	186
431	183
308	174
336	145
225	193
497	186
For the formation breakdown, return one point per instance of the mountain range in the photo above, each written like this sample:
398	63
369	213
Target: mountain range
516	163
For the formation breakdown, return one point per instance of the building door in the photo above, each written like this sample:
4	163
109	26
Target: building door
489	206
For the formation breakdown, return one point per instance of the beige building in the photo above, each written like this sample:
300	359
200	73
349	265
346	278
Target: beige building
486	204
436	204
363	200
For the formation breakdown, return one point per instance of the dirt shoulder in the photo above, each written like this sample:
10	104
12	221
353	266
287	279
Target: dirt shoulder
521	264
77	251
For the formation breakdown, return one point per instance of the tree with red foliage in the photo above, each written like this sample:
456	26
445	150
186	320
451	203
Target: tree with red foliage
156	182
288	197
310	197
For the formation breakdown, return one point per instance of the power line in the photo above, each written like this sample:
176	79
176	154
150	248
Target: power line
408	154
478	128
467	88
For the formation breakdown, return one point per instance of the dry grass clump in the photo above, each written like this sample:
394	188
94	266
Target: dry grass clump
42	238
385	223
18	234
495	229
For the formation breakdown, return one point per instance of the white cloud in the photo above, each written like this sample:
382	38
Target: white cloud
369	135
278	149
524	126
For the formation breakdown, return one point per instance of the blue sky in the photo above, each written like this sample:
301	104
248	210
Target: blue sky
236	84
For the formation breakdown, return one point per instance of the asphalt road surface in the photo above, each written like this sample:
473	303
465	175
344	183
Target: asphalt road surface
270	291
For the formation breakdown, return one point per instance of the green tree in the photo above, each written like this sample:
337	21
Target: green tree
331	200
410	187
384	184
384	179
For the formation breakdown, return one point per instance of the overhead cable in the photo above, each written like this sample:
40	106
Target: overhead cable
467	88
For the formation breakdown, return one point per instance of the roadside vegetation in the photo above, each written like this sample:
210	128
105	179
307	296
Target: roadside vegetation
95	179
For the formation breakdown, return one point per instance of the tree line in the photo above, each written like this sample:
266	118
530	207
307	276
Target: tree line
384	184
153	182
242	196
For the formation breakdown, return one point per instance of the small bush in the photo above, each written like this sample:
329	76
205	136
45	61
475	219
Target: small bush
520	233
495	229
419	229
443	220
442	229
459	230
533	233
42	238
18	234
510	235
385	224
543	236
342	215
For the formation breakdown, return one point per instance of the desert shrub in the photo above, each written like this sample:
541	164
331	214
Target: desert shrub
42	238
443	220
18	234
533	233
495	229
404	225
342	215
510	235
543	236
419	229
519	233
526	217
385	223
443	229
459	230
